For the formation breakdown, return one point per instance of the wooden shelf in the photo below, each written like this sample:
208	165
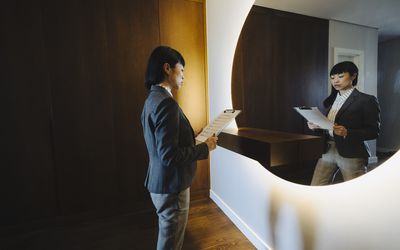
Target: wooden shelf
271	148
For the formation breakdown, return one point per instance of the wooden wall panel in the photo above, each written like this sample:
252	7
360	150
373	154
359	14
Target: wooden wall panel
133	29
182	27
101	157
76	41
26	162
72	91
280	62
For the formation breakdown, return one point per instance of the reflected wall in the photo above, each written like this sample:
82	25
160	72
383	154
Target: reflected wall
389	95
281	61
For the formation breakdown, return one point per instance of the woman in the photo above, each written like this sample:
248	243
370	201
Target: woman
356	119
171	146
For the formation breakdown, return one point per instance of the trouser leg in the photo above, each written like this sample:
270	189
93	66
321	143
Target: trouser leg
351	167
323	173
172	211
325	168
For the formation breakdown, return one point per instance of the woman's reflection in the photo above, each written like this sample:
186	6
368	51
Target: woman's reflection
356	118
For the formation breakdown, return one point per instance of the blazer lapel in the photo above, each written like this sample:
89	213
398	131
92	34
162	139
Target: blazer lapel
347	103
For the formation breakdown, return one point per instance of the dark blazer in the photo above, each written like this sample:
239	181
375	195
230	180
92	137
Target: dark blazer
360	116
170	144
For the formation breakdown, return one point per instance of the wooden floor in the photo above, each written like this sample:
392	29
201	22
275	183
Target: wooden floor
208	228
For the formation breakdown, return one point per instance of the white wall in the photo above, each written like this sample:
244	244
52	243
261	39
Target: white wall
275	214
356	37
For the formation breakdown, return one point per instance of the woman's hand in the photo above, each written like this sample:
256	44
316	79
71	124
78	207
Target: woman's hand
340	130
211	142
312	126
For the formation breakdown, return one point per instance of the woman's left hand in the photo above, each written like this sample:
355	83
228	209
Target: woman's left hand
340	130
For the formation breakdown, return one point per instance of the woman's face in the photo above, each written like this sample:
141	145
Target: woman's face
175	76
342	81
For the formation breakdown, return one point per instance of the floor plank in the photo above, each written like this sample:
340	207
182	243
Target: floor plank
209	228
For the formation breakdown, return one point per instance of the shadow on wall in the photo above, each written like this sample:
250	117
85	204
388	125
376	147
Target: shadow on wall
389	95
291	226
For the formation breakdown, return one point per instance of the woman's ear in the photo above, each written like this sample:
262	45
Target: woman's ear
353	76
167	68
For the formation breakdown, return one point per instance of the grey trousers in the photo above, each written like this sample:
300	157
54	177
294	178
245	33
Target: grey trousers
172	211
331	161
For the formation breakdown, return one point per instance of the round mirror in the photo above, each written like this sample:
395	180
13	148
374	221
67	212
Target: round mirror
282	61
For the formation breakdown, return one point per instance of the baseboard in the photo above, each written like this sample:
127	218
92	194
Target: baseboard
243	227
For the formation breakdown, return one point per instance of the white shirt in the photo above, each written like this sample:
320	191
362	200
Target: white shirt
341	97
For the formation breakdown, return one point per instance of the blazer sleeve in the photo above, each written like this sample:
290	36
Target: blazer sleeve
371	124
169	137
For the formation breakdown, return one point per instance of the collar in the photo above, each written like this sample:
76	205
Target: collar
166	88
346	92
160	89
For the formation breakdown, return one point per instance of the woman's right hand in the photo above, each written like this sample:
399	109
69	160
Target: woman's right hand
212	142
312	126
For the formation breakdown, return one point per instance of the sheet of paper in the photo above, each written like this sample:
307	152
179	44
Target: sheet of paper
315	116
218	124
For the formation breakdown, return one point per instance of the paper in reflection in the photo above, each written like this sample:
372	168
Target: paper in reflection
312	114
218	124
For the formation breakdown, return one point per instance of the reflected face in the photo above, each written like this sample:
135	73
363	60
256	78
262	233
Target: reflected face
175	76
342	81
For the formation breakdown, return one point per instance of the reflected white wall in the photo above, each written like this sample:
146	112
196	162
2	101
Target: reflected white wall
275	214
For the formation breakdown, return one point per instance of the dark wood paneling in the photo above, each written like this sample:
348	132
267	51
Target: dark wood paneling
133	28
72	93
98	54
76	42
281	61
27	172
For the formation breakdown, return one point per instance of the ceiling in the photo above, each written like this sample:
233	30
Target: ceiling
381	14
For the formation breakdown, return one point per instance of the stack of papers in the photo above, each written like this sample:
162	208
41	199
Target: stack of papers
218	124
312	114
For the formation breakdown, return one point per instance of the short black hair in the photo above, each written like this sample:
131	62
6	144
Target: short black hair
155	66
342	67
345	67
